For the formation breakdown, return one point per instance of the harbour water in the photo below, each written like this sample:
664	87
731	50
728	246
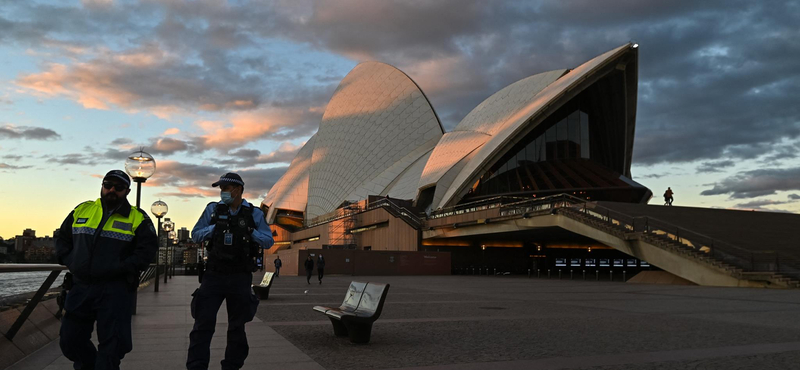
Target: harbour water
14	283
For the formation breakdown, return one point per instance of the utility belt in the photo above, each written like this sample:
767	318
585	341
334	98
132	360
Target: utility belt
228	269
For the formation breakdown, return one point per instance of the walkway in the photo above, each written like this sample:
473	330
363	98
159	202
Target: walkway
161	337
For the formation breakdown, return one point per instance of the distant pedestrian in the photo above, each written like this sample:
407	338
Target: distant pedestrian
309	265
278	265
320	267
668	197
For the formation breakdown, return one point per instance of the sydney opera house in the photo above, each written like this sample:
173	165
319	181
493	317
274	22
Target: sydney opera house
381	173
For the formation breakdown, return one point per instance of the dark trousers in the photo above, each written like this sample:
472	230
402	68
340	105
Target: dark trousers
277	271
320	273
108	303
308	276
234	289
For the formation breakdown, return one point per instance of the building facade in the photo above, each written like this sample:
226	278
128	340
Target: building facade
381	162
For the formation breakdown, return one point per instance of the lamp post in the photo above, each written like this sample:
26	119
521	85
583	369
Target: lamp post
158	209
139	166
173	236
168	227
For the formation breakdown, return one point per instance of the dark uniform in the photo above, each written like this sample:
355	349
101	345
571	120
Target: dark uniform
234	240
104	251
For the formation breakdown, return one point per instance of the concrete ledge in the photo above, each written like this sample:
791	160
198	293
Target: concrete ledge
39	329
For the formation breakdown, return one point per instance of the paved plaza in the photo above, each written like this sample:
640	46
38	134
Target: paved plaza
480	322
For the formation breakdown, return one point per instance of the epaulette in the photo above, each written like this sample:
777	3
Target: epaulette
82	203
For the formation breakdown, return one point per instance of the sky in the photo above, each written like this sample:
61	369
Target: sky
208	87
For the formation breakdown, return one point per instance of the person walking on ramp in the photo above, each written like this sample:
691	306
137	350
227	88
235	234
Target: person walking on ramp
668	197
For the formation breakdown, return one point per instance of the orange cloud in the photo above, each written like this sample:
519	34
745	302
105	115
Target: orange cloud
245	127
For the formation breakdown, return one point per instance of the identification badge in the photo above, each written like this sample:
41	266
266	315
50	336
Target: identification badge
228	239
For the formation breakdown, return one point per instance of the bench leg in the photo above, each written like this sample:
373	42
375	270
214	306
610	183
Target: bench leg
339	329
359	332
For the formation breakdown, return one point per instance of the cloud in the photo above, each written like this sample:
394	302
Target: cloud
716	166
194	180
251	157
121	141
653	176
245	127
717	79
29	133
171	131
5	166
794	197
756	183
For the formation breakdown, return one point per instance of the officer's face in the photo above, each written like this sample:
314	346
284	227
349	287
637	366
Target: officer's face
113	191
235	190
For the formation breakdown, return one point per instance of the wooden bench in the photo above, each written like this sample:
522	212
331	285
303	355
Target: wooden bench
362	305
262	290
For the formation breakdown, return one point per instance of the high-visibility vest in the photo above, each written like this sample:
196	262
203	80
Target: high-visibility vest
88	215
99	249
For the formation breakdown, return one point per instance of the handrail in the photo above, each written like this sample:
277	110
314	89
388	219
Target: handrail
29	267
396	210
722	250
55	270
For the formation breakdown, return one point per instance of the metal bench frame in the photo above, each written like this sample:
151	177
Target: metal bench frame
262	291
361	307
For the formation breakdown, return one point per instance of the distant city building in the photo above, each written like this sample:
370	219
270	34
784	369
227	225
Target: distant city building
183	234
24	241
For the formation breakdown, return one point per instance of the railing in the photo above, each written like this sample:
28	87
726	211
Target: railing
390	206
747	260
55	270
753	261
396	211
475	206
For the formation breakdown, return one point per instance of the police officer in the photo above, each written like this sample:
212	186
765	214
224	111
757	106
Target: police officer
104	243
236	231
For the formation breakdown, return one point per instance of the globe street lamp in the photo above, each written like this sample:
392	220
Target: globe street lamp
173	236
158	209
168	227
140	166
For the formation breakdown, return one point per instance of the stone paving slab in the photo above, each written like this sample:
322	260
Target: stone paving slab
161	330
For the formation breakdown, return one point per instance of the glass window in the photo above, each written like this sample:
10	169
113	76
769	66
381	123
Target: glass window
531	151
551	134
541	156
551	143
584	135
563	130
512	162
574	134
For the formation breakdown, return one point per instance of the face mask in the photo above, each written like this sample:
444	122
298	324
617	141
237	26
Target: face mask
226	197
